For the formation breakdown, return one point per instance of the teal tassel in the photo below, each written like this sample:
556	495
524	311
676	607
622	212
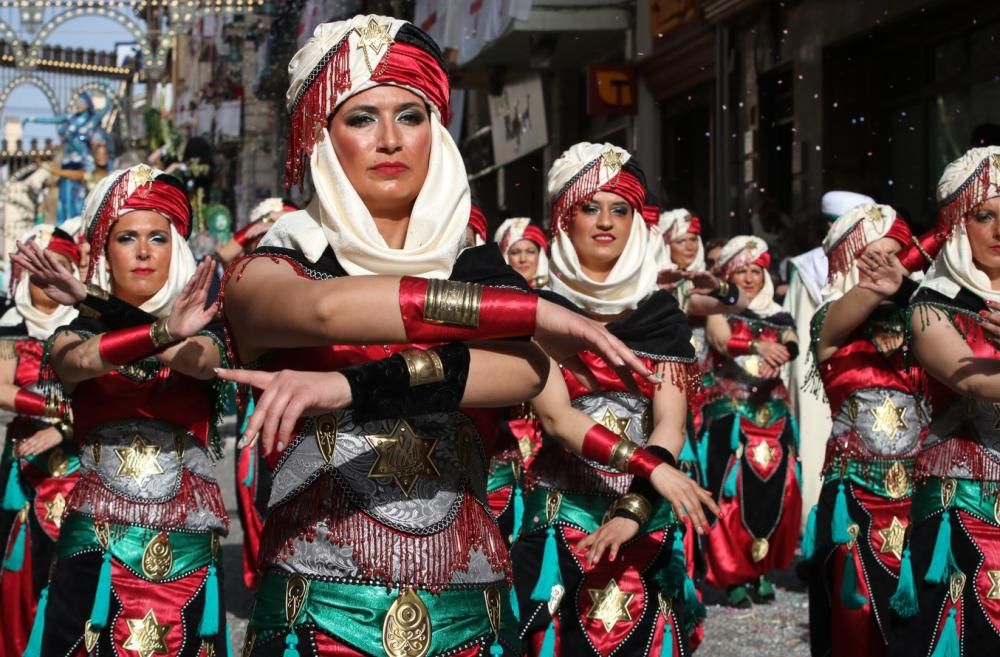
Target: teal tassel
734	435
729	488
548	575
687	453
34	647
841	518
703	452
102	599
496	650
798	472
549	641
694	609
849	595
229	642
248	480
249	414
948	642
13	495
518	512
15	556
209	626
667	649
676	570
904	600
809	536
291	644
795	433
941	561
515	606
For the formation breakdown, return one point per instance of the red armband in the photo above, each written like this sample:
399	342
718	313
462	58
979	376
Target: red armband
29	403
241	236
921	251
435	310
135	343
739	346
604	446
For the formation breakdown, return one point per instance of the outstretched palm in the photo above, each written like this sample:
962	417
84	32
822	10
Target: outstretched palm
881	272
189	314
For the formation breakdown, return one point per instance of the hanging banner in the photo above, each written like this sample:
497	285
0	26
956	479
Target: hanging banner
517	118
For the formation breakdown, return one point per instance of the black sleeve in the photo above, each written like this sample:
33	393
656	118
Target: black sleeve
112	312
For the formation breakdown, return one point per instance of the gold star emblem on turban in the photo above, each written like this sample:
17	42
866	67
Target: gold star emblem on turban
610	605
889	418
54	509
143	175
404	455
375	36
615	424
612	161
763	454
146	635
994	592
138	460
892	538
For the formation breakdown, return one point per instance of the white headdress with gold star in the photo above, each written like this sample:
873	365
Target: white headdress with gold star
744	250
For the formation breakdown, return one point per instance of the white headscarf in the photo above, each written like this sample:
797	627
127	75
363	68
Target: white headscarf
672	224
633	277
182	263
40	325
266	208
861	226
968	181
743	250
510	233
338	217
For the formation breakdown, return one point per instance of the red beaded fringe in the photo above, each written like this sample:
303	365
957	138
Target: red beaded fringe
960	203
846	250
428	562
106	214
938	460
195	495
313	107
580	188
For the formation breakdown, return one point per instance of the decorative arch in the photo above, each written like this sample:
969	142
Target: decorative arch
8	34
32	80
134	28
102	87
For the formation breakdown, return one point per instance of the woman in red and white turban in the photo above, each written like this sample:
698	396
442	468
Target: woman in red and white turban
523	245
138	548
681	232
587	587
854	537
355	310
750	453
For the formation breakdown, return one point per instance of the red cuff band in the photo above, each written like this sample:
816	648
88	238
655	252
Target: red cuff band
127	345
240	236
921	251
29	403
499	313
598	443
642	463
738	346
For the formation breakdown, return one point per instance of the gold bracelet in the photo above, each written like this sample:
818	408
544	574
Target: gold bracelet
424	366
723	290
452	302
97	292
621	454
635	504
159	333
927	256
52	407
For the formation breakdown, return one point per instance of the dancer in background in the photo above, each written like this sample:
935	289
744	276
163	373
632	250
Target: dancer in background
854	538
751	457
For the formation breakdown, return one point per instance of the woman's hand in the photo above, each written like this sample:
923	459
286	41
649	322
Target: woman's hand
882	273
57	282
774	354
667	279
39	442
563	334
610	536
687	497
287	396
189	314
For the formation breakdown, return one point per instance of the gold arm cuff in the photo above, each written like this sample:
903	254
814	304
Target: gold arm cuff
927	256
723	290
159	334
635	504
97	292
52	407
424	366
621	454
452	302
